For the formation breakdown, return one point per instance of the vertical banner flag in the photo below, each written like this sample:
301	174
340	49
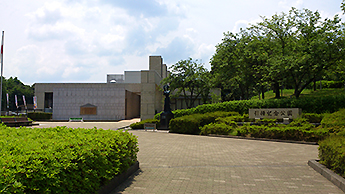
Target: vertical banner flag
8	100
16	100
2	66
24	102
2	46
35	102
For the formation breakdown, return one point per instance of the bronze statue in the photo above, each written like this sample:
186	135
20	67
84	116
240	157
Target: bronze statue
167	98
167	115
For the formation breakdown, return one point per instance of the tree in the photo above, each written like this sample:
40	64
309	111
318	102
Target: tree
13	86
189	78
232	68
278	31
319	46
293	49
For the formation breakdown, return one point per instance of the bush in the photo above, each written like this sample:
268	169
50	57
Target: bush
236	118
268	122
61	159
232	120
317	105
39	116
332	153
328	84
334	119
190	124
313	117
21	116
140	125
283	132
218	128
301	122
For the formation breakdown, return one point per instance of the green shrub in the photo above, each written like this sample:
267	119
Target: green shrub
232	120
313	117
190	124
268	122
332	153
218	128
317	105
140	125
61	159
15	117
301	122
334	119
236	118
328	84
39	116
283	132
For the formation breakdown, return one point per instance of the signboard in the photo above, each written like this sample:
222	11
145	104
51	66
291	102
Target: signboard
275	113
150	126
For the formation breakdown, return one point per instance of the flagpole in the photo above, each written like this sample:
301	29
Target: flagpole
2	67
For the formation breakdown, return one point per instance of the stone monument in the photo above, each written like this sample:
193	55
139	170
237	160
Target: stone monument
167	115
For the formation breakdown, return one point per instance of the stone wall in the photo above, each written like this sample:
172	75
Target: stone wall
110	102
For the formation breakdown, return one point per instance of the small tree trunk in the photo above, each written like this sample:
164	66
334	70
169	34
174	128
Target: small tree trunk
276	89
297	93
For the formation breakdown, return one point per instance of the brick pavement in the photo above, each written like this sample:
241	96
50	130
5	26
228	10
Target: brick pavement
173	163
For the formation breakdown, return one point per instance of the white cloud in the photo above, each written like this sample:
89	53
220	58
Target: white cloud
287	4
83	40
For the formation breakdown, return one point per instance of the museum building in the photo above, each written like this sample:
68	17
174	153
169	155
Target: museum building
133	94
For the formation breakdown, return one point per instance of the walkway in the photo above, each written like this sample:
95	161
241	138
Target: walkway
173	163
101	125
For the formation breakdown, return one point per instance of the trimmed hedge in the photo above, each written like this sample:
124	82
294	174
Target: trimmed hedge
308	105
62	160
190	124
334	119
286	133
40	116
332	153
140	125
217	128
313	117
16	117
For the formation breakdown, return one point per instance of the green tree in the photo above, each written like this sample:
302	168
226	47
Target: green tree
319	45
278	32
232	66
13	86
189	78
293	49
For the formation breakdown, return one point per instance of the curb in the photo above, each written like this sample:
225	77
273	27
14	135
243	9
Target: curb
264	139
328	174
118	179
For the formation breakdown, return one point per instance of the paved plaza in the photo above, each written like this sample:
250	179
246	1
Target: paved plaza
174	163
88	125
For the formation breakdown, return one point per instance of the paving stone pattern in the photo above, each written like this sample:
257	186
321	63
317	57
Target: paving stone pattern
173	163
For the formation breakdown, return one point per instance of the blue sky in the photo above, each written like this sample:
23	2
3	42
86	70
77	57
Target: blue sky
83	40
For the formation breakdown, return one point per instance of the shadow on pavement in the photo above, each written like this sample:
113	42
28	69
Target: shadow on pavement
121	188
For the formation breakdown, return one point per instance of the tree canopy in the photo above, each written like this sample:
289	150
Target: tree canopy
291	49
190	79
13	86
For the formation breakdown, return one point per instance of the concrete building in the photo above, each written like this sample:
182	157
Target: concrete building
134	94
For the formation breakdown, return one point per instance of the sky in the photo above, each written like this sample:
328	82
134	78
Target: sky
82	41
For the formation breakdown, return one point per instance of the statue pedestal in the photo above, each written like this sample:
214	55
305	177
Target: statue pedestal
165	119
